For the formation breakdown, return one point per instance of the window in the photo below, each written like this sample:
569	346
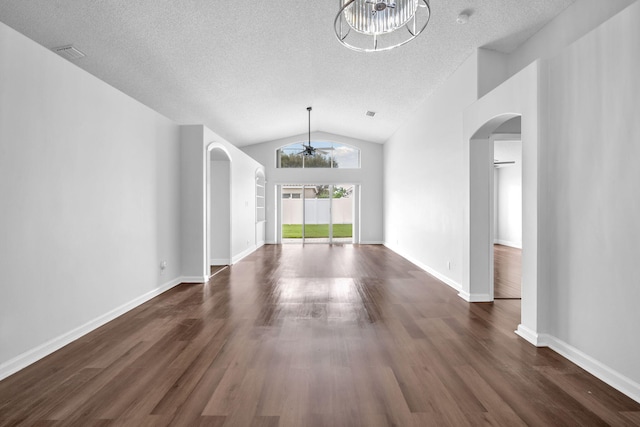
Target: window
327	155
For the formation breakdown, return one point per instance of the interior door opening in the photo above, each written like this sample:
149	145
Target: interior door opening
507	211
218	238
318	213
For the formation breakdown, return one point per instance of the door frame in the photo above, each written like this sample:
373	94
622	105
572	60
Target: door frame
207	205
355	210
492	232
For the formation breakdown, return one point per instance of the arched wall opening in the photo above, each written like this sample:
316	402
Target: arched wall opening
481	201
517	96
218	207
507	211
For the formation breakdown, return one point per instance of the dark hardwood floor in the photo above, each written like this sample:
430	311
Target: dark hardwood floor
312	335
507	272
215	269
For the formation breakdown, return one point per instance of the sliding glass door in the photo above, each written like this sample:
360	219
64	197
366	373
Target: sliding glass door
317	213
342	213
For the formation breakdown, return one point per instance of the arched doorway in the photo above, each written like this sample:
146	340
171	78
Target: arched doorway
518	96
507	210
218	207
481	209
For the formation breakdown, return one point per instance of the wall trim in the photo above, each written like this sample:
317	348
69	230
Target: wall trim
447	280
29	357
219	261
508	243
596	368
193	279
375	242
530	335
474	297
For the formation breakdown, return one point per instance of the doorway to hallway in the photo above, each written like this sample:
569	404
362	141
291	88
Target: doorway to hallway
507	210
317	213
507	272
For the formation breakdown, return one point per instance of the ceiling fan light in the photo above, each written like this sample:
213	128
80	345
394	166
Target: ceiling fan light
379	16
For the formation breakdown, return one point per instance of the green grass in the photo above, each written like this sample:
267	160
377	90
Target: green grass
294	231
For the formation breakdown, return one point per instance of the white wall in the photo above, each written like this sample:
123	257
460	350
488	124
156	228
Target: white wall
577	20
193	159
588	202
492	69
592	197
90	201
369	177
424	156
424	177
508	194
220	211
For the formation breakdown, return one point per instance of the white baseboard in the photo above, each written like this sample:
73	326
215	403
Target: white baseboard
271	242
455	285
596	368
508	243
530	335
474	297
193	279
219	261
374	242
25	359
243	254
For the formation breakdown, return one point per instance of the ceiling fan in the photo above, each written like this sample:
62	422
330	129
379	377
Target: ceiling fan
308	149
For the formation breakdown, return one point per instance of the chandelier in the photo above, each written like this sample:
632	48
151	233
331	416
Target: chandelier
377	25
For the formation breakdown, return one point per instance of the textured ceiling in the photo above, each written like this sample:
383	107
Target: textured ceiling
249	69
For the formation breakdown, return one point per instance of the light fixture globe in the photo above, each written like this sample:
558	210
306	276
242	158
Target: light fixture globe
377	25
373	18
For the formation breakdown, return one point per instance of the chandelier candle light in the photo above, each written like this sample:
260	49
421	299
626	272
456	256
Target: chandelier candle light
377	25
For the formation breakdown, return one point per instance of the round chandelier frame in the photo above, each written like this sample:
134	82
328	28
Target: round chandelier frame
379	25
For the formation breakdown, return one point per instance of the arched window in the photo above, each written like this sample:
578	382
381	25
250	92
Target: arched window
322	154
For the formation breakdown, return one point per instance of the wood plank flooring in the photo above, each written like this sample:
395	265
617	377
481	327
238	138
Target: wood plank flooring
507	272
215	269
312	335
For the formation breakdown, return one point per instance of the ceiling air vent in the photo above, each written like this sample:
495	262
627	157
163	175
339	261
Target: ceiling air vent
69	52
370	113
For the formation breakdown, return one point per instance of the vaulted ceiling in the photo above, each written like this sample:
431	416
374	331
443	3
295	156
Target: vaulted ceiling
249	69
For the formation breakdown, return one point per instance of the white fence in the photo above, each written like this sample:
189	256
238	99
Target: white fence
317	211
